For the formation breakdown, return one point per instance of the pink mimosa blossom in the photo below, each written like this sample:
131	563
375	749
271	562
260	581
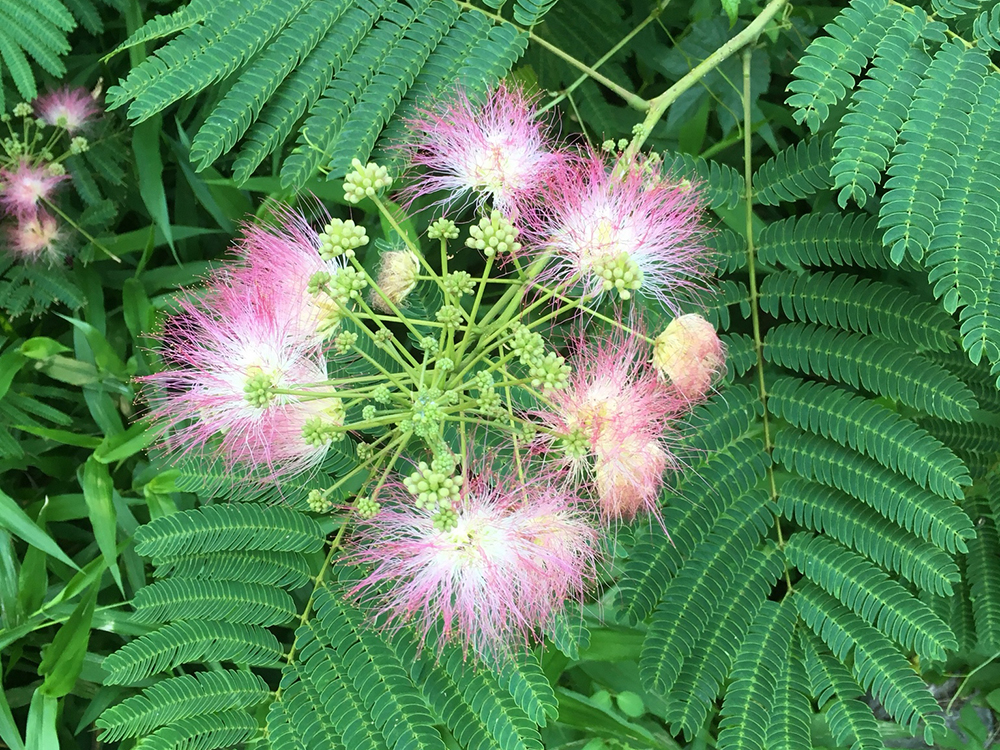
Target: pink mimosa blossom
503	570
690	355
500	150
615	412
26	186
227	356
279	260
636	232
68	108
35	237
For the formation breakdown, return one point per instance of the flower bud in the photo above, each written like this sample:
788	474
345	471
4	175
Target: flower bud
690	355
397	277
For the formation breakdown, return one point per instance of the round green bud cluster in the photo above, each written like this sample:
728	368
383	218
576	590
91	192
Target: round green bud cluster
444	462
432	488
317	282
576	444
549	372
365	451
365	181
341	238
620	272
426	414
445	364
318	503
459	283
345	341
638	130
528	431
490	403
622	144
318	431
527	345
78	145
56	169
495	234
382	395
346	284
450	316
429	344
259	388
382	337
368	413
366	507
608	146
442	229
22	109
445	519
483	380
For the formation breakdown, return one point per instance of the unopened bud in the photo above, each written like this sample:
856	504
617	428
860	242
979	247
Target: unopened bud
690	355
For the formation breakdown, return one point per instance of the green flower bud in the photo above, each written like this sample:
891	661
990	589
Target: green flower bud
365	181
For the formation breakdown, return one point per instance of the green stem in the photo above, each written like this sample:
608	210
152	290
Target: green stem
659	105
633	100
90	238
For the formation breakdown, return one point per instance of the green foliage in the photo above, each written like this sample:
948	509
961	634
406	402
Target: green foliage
797	172
348	67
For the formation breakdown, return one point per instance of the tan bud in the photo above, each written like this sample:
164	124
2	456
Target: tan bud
689	354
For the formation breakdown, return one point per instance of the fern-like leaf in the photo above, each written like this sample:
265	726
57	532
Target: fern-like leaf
791	713
181	697
874	364
285	569
795	173
872	429
722	186
983	561
858	526
194	599
896	498
878	666
825	240
870	593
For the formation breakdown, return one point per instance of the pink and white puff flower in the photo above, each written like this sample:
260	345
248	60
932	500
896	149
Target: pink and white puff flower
25	187
279	260
491	580
67	108
621	229
499	150
609	426
36	237
227	358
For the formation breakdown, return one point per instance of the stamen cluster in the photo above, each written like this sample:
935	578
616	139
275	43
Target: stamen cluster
494	379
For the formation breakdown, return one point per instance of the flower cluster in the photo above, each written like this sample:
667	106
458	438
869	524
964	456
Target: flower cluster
31	171
509	368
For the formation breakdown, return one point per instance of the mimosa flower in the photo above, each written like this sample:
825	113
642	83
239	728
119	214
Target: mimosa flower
68	108
690	355
621	230
504	566
36	237
25	187
499	150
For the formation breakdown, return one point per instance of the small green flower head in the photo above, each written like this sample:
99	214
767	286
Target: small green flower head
56	169
442	229
622	144
620	273
445	364
432	488
638	130
459	283
364	451
78	145
258	388
483	380
550	372
429	344
22	109
527	345
341	238
450	316
490	403
347	284
495	234
444	462
327	427
317	282
368	413
445	519
382	395
345	341
426	414
383	336
366	507
576	444
318	503
608	146
365	181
